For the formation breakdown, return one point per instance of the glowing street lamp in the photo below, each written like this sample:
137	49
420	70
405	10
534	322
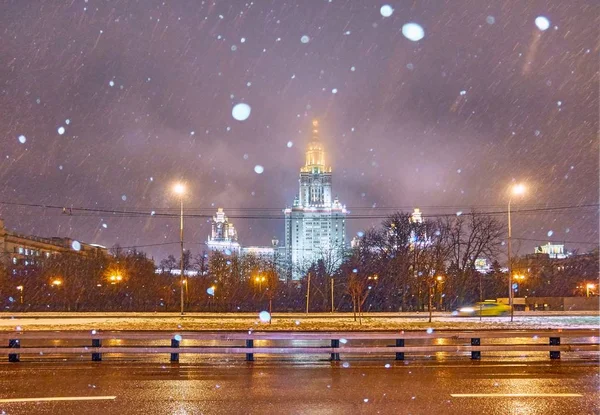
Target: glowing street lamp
260	279
115	278
179	189
516	190
20	288
588	287
57	282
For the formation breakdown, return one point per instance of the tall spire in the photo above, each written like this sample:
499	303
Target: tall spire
315	153
315	130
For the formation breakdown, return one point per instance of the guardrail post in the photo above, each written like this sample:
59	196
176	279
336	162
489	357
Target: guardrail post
249	345
476	355
174	356
14	344
399	343
96	357
335	356
555	341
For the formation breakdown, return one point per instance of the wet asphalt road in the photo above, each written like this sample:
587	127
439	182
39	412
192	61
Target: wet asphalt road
292	387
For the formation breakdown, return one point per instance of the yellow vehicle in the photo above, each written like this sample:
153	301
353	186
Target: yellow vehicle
484	308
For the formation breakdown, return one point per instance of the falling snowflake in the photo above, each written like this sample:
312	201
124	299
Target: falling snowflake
413	31
264	316
304	39
386	10
258	169
22	139
542	23
61	130
241	111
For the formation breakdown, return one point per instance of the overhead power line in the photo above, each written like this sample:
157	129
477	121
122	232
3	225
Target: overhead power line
84	211
561	241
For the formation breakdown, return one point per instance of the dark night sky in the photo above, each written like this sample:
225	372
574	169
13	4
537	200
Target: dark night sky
399	131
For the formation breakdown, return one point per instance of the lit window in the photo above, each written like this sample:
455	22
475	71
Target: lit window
20	249
14	260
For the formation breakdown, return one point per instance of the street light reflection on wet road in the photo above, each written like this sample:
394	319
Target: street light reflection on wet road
265	387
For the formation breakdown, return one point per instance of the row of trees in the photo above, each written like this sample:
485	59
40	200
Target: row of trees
403	265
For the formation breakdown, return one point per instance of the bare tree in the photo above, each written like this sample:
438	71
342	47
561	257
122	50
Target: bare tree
472	237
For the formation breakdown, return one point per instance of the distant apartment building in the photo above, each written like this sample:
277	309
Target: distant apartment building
264	252
21	253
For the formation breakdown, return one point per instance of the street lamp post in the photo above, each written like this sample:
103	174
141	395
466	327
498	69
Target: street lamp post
260	279
57	282
519	279
516	190
588	287
179	189
20	288
438	294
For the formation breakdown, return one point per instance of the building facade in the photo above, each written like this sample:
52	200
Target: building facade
555	251
23	253
315	225
223	237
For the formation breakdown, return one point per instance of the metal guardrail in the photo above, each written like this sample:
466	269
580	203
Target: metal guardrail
472	342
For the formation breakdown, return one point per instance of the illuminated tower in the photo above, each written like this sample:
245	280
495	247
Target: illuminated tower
315	226
223	236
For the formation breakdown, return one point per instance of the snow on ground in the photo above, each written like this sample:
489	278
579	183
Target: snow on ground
297	323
